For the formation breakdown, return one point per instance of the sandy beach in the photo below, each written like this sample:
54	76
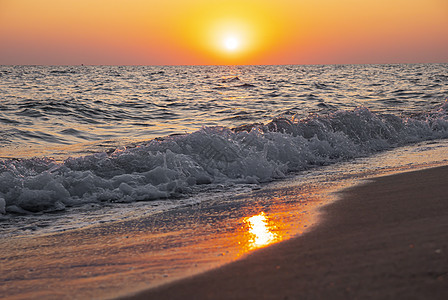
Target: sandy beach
386	239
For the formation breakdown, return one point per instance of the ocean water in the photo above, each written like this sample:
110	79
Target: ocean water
119	178
85	137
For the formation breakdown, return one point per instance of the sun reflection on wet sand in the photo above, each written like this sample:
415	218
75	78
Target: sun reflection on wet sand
261	230
156	249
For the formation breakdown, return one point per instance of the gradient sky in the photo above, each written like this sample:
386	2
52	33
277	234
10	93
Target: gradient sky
172	32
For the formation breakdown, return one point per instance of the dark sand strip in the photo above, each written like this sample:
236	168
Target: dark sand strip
387	239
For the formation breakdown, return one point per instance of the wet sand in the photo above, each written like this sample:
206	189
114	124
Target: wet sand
387	239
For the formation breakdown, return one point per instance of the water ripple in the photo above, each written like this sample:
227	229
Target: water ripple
46	105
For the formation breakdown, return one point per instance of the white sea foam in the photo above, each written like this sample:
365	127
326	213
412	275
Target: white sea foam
181	165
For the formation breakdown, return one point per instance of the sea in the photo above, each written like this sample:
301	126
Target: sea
84	146
77	135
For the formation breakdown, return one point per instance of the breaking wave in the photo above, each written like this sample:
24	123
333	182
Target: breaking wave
182	165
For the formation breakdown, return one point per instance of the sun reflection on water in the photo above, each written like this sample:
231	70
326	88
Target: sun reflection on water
261	231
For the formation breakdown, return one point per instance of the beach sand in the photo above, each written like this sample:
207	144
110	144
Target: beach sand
386	239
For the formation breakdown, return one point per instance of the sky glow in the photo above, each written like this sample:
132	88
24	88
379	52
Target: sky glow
173	32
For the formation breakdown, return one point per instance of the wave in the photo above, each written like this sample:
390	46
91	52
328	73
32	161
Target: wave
182	165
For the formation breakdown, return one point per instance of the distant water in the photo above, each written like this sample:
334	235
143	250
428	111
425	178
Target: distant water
76	135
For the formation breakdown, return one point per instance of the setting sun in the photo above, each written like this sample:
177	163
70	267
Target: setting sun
231	43
231	32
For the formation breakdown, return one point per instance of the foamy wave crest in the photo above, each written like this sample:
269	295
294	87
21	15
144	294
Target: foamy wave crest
181	165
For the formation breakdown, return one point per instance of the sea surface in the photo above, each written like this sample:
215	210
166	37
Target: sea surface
85	137
115	179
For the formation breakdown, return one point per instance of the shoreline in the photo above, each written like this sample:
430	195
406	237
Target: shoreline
386	238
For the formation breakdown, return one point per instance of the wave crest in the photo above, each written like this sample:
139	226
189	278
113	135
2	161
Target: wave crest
181	165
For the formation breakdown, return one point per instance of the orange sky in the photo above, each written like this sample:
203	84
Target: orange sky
171	32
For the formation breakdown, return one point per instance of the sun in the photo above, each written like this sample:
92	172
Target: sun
231	43
231	32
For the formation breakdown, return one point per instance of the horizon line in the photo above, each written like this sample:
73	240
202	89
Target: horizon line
217	65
